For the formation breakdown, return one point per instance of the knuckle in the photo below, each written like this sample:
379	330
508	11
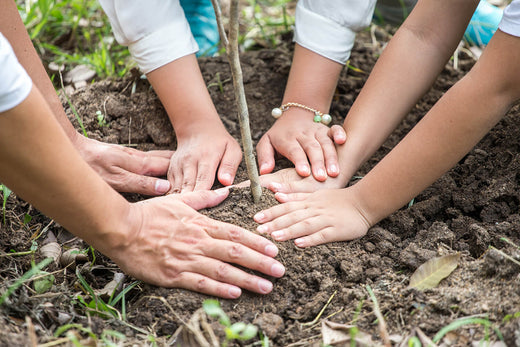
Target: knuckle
235	252
201	285
235	235
222	272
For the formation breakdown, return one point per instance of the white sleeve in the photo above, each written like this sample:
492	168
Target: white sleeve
328	27
510	22
155	31
15	83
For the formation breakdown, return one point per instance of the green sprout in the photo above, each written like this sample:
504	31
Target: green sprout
236	331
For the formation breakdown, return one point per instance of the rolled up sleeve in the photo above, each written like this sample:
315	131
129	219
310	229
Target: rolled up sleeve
510	22
329	27
15	83
155	31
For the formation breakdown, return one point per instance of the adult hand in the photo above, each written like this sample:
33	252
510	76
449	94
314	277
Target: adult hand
126	169
201	149
175	246
299	139
313	219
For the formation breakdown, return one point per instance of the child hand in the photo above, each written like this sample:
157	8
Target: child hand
206	147
299	139
288	181
314	219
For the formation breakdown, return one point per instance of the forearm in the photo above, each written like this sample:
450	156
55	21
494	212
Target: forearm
312	79
181	88
40	164
451	129
401	77
12	27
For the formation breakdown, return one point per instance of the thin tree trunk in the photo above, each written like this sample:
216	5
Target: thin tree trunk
231	46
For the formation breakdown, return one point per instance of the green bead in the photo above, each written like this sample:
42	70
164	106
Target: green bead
317	118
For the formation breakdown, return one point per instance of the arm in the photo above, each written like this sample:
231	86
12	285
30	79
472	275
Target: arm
324	37
159	39
162	241
125	169
397	81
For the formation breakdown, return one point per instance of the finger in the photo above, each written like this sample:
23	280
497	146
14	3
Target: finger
204	198
189	177
229	165
306	226
134	183
237	253
145	163
220	271
230	232
284	220
265	152
296	154
323	236
161	153
314	152
203	284
277	211
338	134
283	198
205	175
329	153
175	177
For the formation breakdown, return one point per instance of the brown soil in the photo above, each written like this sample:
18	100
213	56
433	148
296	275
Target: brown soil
470	208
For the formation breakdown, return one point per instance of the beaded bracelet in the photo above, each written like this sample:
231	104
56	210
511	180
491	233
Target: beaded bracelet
319	117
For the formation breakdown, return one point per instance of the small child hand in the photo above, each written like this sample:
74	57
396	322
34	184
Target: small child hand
299	139
314	219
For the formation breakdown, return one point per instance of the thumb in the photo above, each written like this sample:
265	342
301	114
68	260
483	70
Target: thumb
204	198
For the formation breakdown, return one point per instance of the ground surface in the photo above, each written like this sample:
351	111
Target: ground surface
469	209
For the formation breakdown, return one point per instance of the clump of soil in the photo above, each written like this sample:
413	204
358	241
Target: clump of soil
474	206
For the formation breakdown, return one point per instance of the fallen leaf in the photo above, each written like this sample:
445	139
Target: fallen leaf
337	334
429	274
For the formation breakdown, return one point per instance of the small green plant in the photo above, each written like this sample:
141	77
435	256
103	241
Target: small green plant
102	122
35	270
456	324
236	331
98	306
5	193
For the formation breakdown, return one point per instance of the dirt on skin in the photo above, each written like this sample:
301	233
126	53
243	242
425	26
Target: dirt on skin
472	207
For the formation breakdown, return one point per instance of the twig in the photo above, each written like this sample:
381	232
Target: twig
380	319
231	46
321	312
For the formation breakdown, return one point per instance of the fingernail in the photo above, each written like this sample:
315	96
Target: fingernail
259	217
322	173
271	250
265	286
277	235
234	292
262	229
281	197
221	191
299	242
263	167
277	270
226	178
333	169
305	169
275	186
162	186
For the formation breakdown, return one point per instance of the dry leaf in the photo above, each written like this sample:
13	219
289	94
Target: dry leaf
429	274
51	250
72	256
336	334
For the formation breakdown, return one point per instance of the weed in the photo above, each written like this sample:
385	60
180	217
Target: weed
236	331
98	306
5	193
469	321
35	270
102	122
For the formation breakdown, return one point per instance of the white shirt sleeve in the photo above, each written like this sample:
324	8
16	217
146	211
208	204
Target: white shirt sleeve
510	22
15	83
328	27
155	31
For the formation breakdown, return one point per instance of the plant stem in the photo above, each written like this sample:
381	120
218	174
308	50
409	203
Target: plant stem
231	46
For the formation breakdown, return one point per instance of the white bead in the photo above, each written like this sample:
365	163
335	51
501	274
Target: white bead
326	119
276	112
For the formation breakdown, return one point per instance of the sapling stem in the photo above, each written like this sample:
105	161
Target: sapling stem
231	46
